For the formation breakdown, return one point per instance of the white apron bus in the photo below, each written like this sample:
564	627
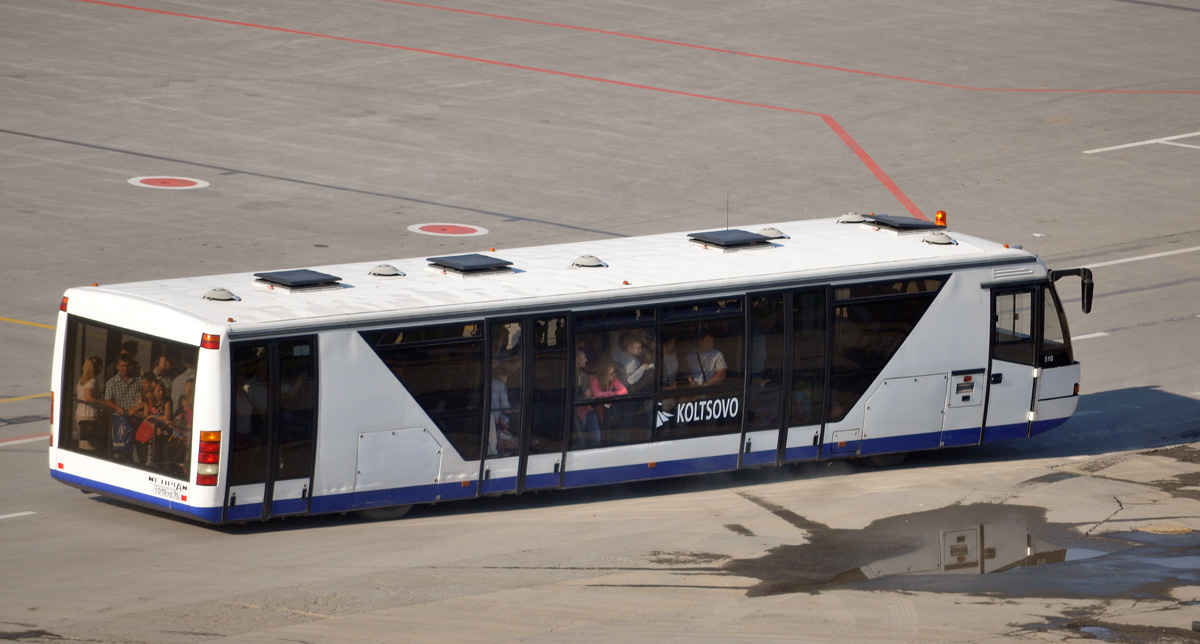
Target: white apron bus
363	387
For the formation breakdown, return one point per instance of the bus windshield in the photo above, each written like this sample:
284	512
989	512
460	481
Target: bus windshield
128	398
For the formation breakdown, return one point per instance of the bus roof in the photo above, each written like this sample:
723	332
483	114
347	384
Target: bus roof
546	277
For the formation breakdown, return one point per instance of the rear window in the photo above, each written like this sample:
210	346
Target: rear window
127	397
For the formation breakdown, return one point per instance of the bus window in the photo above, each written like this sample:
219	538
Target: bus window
442	367
1013	333
1056	342
550	374
128	398
614	377
868	332
706	349
766	362
808	363
504	412
250	451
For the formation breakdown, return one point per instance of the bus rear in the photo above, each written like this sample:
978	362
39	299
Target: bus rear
139	412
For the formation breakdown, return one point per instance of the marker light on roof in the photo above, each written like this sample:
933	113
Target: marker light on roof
386	270
221	295
940	218
938	237
588	261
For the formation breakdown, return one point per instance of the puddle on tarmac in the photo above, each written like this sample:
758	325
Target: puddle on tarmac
1003	550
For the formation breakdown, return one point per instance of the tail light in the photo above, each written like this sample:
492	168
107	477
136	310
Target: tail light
209	460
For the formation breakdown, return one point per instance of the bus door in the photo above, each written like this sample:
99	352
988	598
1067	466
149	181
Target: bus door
504	390
274	428
1012	370
544	438
525	424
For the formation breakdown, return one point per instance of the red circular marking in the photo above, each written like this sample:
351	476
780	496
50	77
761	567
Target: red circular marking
448	229
168	182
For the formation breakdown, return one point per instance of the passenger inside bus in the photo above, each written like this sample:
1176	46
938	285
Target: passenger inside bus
632	368
706	364
87	409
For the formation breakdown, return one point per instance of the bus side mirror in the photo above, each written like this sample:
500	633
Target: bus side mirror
1087	287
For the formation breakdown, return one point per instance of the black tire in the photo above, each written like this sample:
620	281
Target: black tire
389	513
886	460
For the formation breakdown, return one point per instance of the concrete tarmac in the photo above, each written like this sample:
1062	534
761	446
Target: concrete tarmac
325	130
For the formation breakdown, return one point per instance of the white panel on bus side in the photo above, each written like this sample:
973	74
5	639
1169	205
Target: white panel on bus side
397	458
906	406
1058	382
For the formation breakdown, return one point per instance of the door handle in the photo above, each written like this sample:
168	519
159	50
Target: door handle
996	378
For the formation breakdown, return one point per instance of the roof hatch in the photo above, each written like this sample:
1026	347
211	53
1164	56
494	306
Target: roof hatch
470	265
890	222
301	279
731	240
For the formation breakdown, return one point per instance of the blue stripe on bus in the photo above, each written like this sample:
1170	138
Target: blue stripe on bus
805	453
211	515
960	437
498	485
1046	425
765	457
244	512
907	443
288	506
1005	432
541	481
643	471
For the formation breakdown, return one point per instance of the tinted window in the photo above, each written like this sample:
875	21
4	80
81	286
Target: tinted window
704	366
808	364
444	375
128	398
616	373
1056	342
1012	338
767	362
869	331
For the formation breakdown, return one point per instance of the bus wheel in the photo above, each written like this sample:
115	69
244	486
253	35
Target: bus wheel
886	460
385	514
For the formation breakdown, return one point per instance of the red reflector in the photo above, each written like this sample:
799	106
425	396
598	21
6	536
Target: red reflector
183	497
60	466
206	457
206	479
210	341
63	306
210	448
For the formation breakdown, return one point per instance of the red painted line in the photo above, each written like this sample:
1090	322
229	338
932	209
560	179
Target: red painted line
789	61
873	167
829	120
24	438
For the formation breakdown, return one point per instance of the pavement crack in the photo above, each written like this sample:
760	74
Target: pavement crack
1120	508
